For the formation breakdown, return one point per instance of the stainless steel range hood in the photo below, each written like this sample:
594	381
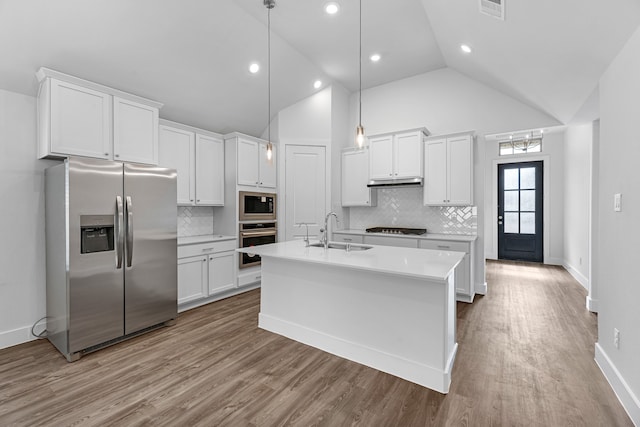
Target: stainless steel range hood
400	182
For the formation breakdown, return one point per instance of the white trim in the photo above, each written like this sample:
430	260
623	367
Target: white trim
409	370
481	288
553	261
546	165
592	304
581	278
15	337
625	395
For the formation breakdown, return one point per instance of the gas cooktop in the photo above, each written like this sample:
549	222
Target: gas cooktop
396	230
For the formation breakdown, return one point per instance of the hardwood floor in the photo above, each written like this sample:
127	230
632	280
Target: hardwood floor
525	358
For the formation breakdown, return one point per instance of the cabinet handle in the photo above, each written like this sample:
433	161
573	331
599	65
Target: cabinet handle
347	240
106	154
198	200
444	247
258	277
191	200
211	258
207	249
204	259
117	155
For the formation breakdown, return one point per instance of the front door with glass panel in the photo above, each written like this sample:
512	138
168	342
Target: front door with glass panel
520	211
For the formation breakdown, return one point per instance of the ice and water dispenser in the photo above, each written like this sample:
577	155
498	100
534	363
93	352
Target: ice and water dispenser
96	233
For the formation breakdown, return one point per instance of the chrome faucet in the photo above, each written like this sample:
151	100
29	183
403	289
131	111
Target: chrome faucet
325	236
305	239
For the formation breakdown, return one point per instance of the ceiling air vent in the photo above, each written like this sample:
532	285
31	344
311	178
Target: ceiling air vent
494	8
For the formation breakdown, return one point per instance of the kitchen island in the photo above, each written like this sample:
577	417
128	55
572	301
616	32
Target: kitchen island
389	308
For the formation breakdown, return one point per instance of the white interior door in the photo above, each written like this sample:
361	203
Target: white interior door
305	190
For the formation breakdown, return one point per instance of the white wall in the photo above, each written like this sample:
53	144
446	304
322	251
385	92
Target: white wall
577	201
22	251
445	101
552	156
619	232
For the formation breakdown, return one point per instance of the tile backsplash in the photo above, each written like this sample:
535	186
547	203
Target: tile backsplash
402	207
195	220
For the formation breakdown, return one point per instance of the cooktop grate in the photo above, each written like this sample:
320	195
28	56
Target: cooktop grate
396	230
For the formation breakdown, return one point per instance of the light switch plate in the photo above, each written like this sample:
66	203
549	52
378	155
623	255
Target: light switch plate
616	202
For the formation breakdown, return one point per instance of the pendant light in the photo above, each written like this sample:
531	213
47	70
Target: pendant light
359	128
269	4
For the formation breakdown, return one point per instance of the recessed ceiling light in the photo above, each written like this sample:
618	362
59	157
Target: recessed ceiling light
332	8
465	48
375	57
317	84
254	68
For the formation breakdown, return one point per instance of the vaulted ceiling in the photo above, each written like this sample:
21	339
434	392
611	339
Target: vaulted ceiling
194	55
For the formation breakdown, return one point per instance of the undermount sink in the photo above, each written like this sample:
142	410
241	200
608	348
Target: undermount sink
344	246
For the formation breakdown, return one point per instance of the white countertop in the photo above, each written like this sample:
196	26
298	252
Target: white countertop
426	236
191	240
421	263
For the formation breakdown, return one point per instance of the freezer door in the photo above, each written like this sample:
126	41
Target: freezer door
96	288
151	258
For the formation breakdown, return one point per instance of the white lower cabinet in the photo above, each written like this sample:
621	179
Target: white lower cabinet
465	289
204	271
391	241
347	238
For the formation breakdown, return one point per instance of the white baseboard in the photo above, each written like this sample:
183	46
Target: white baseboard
584	281
15	337
620	387
410	370
554	261
481	288
592	304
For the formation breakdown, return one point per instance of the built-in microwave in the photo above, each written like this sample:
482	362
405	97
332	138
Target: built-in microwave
257	206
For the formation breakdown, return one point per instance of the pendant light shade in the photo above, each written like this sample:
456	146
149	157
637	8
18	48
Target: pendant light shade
360	128
269	4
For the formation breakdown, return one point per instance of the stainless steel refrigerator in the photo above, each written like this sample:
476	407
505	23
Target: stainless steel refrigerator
111	236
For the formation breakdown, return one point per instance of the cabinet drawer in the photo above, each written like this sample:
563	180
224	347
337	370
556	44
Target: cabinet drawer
206	248
402	242
349	238
444	245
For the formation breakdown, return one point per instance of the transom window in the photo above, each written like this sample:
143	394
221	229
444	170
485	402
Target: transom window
520	146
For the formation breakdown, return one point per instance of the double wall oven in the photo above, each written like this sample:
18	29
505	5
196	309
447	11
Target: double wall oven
257	223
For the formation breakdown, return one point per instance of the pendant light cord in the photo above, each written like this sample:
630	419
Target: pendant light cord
360	59
269	73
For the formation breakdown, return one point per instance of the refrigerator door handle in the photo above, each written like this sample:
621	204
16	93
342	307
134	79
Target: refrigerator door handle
119	231
129	231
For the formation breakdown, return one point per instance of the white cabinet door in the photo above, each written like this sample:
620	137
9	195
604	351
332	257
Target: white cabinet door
435	164
248	167
355	175
135	132
464	270
381	157
267	167
209	171
222	272
407	155
192	279
176	150
449	171
460	170
80	120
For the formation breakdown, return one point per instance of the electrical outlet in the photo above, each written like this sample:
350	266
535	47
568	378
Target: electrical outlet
617	204
616	337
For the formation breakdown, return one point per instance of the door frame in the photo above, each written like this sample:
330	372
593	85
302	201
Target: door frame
546	166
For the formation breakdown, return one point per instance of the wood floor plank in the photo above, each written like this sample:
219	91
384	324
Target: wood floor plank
525	358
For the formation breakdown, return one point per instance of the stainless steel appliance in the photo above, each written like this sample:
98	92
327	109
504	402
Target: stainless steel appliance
111	237
255	234
256	206
397	230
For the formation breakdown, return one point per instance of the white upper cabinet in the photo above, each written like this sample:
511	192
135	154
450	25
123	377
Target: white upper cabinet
396	155
449	170
80	118
198	157
254	169
381	157
355	175
135	132
73	120
176	150
209	171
